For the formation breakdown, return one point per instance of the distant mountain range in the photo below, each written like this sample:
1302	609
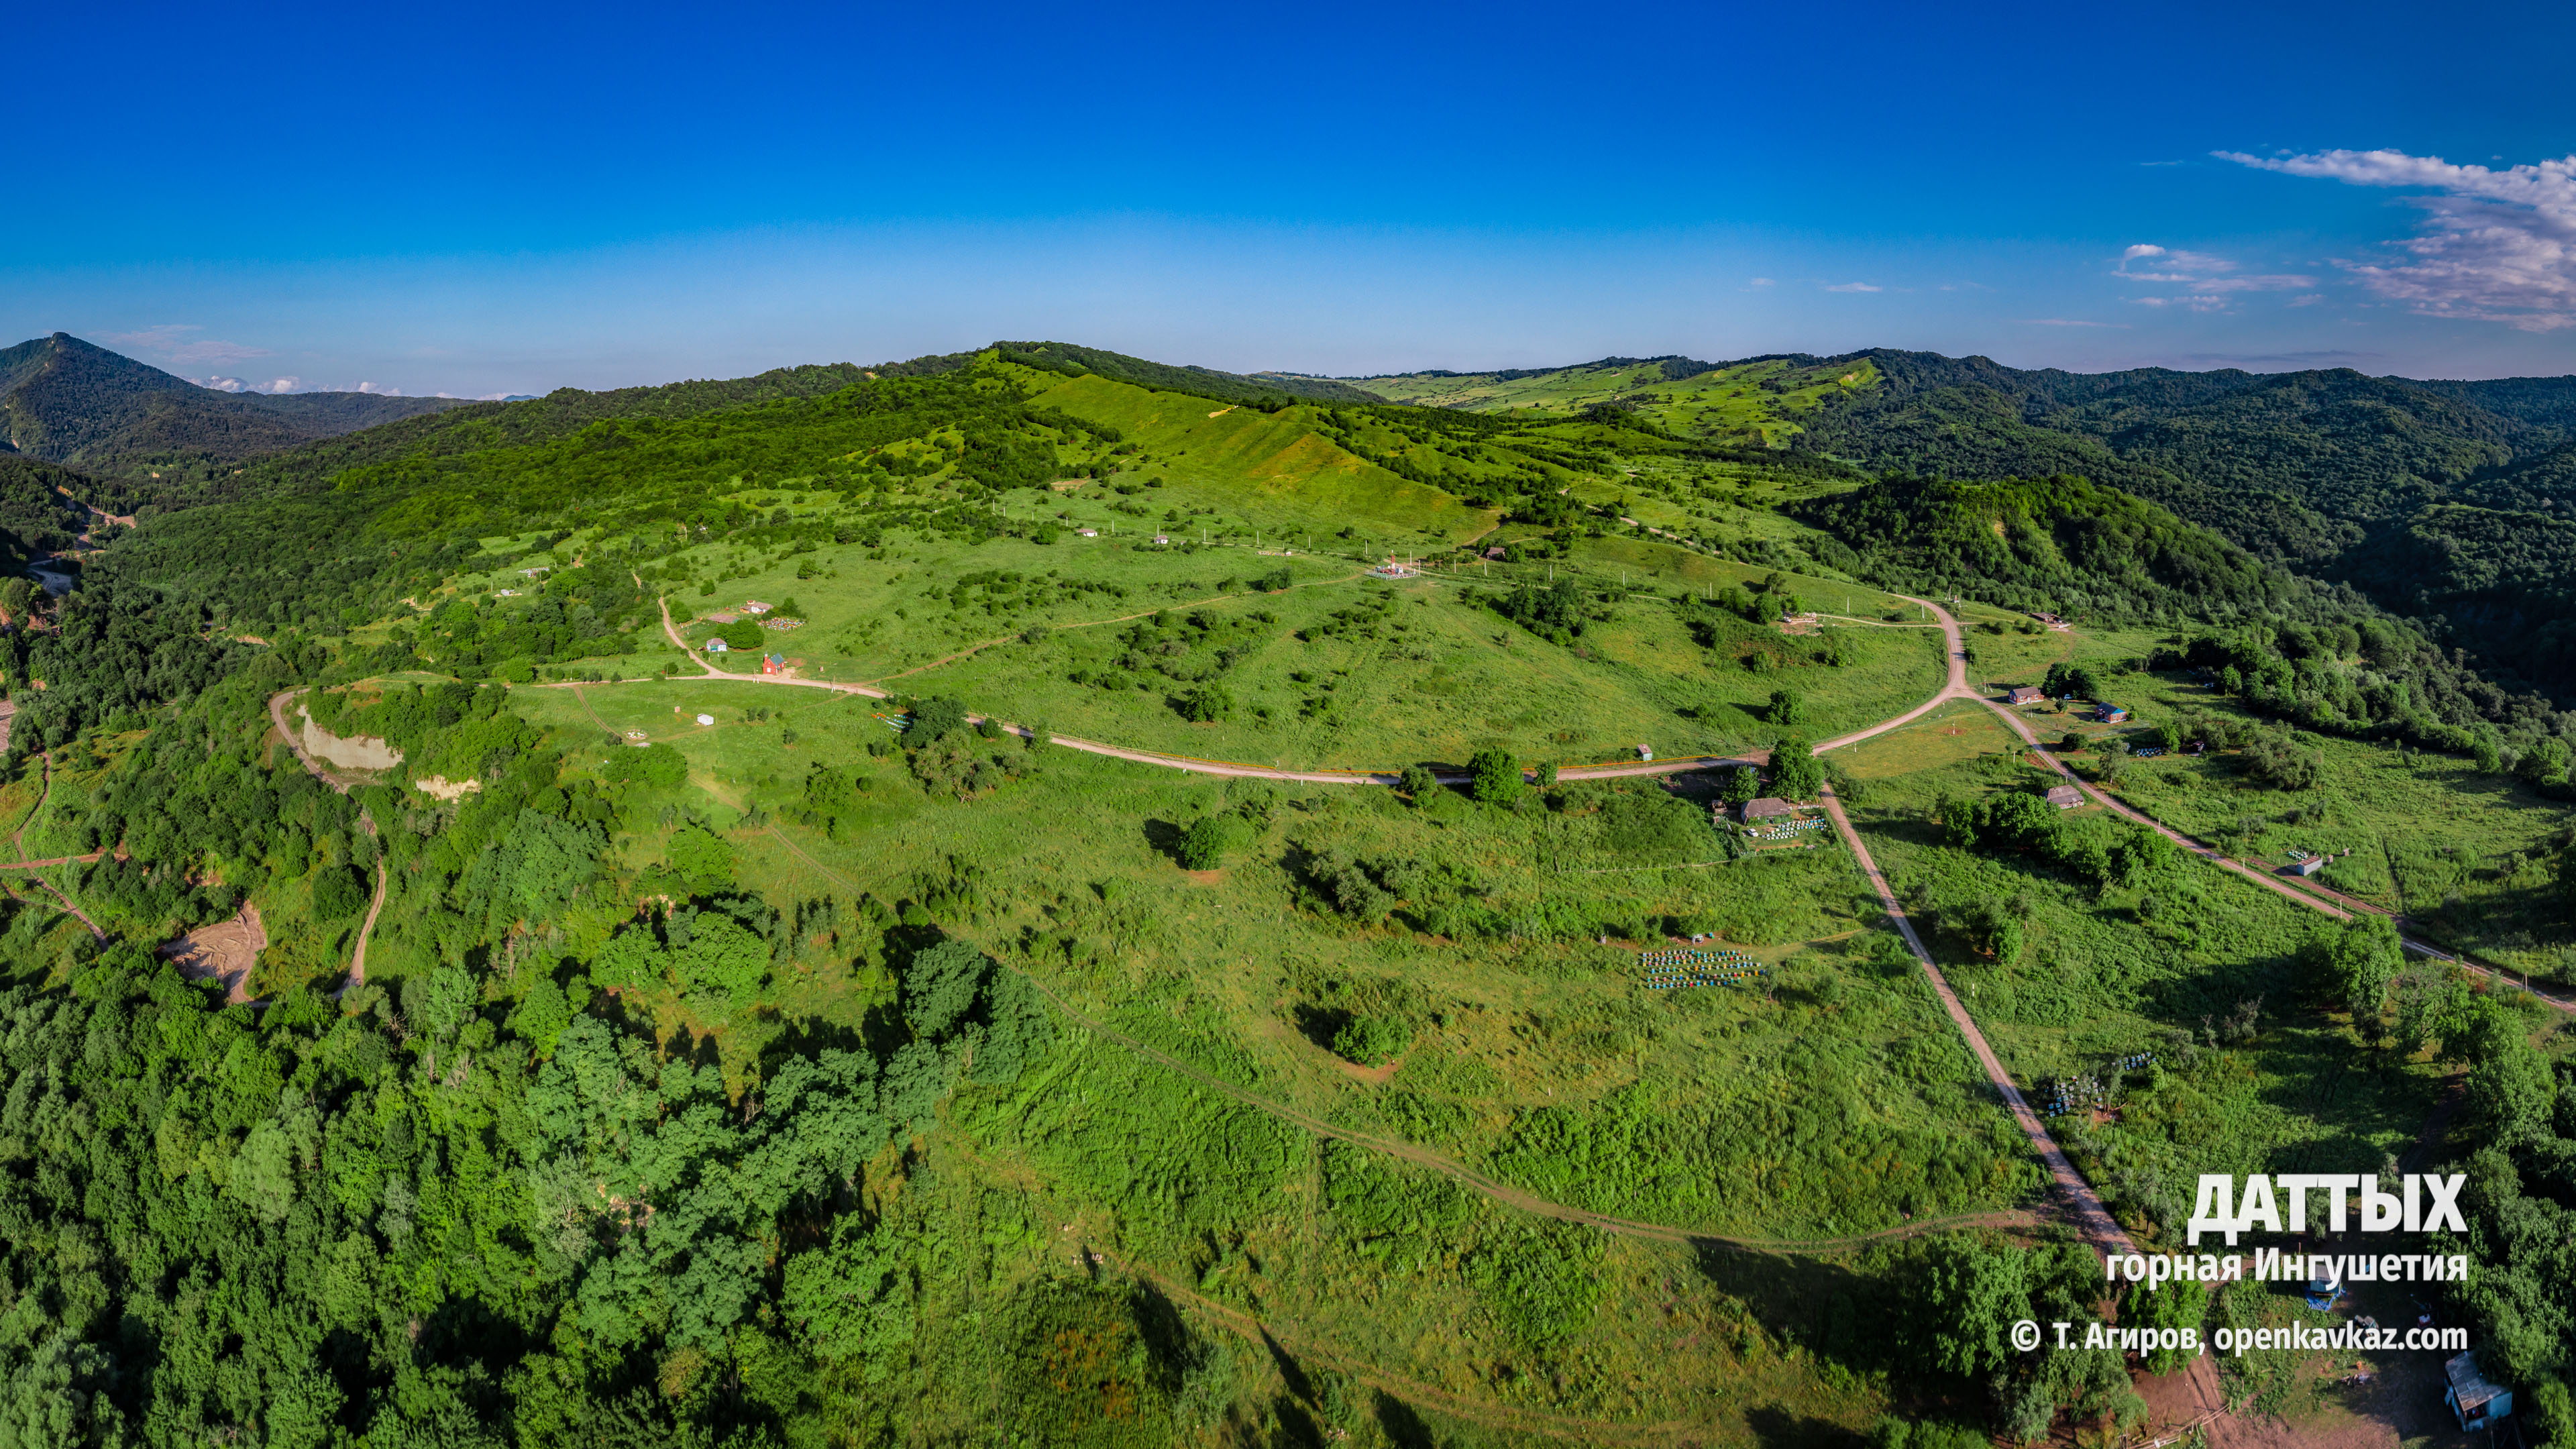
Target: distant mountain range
66	401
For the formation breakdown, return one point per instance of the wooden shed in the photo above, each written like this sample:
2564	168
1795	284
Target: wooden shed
2023	694
2476	1403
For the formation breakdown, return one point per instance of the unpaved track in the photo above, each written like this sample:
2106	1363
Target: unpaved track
319	771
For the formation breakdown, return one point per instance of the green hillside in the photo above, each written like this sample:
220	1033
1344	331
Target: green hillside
746	1064
1757	403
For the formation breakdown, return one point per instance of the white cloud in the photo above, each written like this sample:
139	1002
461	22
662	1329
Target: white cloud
2066	322
380	391
2206	280
170	339
1759	282
1853	287
220	384
2495	246
284	384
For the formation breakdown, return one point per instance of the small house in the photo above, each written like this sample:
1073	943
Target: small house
2023	694
717	646
1089	532
1646	753
1162	538
754	606
773	664
2065	797
1768	808
2476	1403
2309	866
2110	714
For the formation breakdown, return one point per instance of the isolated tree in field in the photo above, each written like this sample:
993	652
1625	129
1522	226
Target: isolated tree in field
1372	1041
1497	776
1418	782
1211	838
1785	709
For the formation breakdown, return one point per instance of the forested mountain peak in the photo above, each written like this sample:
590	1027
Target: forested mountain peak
65	400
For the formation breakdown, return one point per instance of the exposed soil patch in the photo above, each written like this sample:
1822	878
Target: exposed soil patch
355	753
225	951
446	789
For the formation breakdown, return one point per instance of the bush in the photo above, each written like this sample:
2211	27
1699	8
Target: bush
1207	703
1373	1041
1208	841
745	635
1498	776
1418	782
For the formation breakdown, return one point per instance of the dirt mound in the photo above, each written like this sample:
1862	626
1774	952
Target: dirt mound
225	951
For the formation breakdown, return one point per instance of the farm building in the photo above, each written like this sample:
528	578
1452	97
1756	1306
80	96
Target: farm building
2065	797
754	606
717	646
2110	713
2023	694
2476	1403
2309	866
1768	808
773	664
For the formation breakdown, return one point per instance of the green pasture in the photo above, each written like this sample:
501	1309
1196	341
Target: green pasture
2101	974
1416	672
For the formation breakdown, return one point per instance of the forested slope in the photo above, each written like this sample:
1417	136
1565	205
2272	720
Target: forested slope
2341	476
68	401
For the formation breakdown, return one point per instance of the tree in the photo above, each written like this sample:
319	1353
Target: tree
1785	710
1740	785
2070	742
1418	782
2179	1304
2362	959
1373	1041
1211	838
1497	776
743	635
1795	772
940	985
851	1299
1546	774
1968	1299
934	717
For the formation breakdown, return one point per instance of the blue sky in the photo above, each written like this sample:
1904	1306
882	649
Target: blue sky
496	199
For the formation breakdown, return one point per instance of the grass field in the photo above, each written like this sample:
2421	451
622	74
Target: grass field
1756	401
2105	974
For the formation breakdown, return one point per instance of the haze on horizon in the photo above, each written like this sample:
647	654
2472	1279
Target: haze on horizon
298	198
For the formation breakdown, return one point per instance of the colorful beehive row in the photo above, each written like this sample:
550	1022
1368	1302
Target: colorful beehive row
2062	1095
1666	970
